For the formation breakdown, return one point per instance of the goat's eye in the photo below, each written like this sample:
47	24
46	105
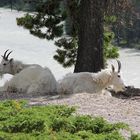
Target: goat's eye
4	64
119	76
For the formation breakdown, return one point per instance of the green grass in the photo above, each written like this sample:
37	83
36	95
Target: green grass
18	121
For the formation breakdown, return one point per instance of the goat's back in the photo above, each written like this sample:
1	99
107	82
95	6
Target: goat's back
78	82
34	79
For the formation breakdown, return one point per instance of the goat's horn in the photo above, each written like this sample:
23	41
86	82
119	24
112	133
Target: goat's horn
8	55
4	56
119	65
113	68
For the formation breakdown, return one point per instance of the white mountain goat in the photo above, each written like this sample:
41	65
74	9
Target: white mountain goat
92	82
27	77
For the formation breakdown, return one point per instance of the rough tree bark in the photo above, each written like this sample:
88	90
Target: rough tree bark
90	51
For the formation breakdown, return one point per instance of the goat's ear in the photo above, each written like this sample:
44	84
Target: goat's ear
113	68
11	60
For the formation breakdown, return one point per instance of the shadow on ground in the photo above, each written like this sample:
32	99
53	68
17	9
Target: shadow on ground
130	92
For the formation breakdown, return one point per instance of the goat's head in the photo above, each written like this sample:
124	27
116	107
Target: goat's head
117	82
6	63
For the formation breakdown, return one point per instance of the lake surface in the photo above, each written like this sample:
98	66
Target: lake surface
30	49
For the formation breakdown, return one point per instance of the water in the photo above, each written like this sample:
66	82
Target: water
30	49
130	59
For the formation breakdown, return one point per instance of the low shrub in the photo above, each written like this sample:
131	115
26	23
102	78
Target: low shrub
54	122
135	137
22	123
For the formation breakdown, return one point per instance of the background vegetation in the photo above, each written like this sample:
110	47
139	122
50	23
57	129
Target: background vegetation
124	29
120	29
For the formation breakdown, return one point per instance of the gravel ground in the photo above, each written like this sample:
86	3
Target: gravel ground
111	108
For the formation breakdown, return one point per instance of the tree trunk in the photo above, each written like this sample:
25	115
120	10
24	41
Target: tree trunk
90	51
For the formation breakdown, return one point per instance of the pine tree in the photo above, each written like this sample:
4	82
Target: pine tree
83	46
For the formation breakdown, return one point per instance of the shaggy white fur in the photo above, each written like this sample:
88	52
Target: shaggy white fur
32	79
27	78
90	82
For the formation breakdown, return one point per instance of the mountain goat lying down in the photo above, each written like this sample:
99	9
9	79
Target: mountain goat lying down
92	82
27	78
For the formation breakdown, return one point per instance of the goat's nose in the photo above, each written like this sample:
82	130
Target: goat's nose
125	88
